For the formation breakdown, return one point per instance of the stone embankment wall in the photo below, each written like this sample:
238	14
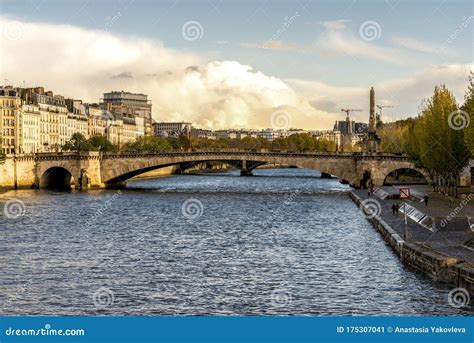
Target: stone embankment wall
438	266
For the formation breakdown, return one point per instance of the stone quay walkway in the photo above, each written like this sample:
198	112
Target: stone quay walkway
454	238
439	205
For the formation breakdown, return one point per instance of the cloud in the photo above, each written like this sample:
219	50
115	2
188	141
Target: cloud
273	45
339	24
422	46
404	94
124	75
84	64
344	43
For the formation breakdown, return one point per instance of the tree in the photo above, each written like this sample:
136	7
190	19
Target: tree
151	144
394	136
468	109
439	146
77	143
101	143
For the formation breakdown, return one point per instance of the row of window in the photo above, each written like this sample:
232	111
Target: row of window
8	132
9	113
8	142
8	122
9	103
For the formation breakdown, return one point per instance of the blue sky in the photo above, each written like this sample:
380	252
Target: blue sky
323	43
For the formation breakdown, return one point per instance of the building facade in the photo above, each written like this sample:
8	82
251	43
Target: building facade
132	105
171	129
33	120
30	128
10	121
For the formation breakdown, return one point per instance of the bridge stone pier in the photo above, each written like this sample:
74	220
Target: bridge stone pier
101	170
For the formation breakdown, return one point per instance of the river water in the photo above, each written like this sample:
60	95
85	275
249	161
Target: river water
283	242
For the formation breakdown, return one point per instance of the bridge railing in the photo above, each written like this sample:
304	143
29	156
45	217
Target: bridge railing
251	152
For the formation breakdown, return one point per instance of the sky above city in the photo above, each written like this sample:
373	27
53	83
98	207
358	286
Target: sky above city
242	64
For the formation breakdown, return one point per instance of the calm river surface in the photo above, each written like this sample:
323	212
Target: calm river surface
284	242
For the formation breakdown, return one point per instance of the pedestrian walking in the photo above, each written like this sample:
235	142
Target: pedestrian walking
425	200
394	209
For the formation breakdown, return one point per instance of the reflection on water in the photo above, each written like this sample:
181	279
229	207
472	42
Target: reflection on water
282	242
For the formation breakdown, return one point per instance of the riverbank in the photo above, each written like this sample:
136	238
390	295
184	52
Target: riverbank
443	252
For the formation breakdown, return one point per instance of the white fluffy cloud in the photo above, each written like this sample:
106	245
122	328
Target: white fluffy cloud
83	64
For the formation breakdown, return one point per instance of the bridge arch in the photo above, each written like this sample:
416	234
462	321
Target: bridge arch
418	171
115	170
56	178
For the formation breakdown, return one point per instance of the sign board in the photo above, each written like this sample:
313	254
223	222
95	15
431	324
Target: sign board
404	193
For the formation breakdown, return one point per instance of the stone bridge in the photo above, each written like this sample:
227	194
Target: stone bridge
100	170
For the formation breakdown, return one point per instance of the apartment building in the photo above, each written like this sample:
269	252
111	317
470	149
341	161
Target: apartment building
171	129
10	120
30	128
130	104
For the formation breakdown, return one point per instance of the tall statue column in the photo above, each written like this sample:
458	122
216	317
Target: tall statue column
372	124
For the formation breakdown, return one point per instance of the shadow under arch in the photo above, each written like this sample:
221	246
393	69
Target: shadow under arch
250	165
406	176
56	178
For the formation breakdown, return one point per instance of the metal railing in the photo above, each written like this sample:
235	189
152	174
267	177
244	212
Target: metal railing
213	152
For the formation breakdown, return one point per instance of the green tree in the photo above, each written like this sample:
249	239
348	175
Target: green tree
441	147
77	143
468	108
101	143
151	143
